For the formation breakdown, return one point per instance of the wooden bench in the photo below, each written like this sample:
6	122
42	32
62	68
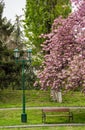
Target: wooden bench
65	113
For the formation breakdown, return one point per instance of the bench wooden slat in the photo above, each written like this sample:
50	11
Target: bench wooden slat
58	115
56	110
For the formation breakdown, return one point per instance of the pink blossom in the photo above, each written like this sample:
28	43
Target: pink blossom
64	64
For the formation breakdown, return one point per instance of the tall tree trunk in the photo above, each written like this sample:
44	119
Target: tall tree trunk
56	95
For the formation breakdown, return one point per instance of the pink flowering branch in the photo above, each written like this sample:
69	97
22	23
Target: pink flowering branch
64	64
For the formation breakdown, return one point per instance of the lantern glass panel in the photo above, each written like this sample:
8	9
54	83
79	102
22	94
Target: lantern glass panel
16	53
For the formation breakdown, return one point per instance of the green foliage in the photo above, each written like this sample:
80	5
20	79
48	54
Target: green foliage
10	72
8	75
30	78
5	26
5	54
39	16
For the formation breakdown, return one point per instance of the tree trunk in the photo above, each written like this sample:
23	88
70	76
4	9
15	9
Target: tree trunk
56	95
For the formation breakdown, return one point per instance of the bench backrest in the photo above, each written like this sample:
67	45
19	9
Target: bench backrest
56	110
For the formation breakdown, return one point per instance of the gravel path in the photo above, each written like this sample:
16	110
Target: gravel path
42	125
31	108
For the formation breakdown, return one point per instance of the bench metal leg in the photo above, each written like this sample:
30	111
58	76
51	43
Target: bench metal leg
70	116
43	117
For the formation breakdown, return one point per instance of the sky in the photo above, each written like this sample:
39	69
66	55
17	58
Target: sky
13	8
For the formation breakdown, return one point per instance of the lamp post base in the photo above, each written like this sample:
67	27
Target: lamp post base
23	117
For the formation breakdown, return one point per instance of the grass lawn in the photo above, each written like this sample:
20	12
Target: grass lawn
49	128
9	98
13	117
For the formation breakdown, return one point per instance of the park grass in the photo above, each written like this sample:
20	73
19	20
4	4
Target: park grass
13	117
49	128
34	98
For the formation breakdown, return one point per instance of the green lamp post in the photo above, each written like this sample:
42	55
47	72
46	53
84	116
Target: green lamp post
23	61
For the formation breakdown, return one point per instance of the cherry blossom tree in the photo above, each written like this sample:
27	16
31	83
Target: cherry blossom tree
64	48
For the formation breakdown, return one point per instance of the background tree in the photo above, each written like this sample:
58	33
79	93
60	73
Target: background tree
8	68
39	16
64	64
